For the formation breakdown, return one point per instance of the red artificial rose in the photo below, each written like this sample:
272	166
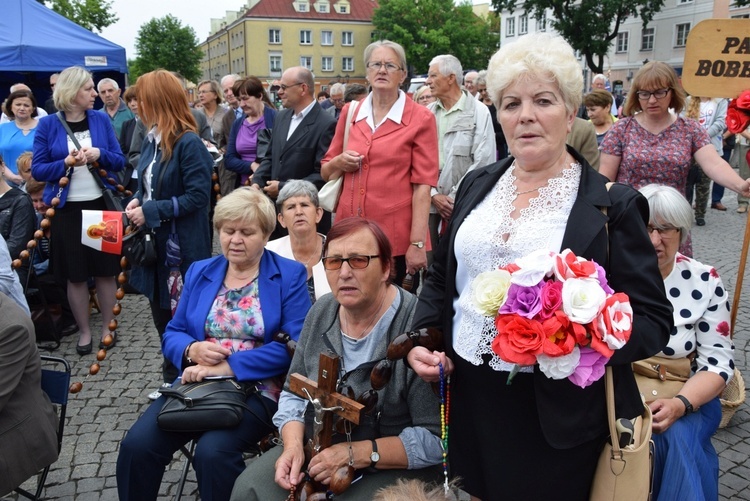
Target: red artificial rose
551	296
558	340
743	101
568	265
576	330
737	120
511	268
596	335
519	340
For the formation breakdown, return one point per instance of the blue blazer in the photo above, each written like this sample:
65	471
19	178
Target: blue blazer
232	160
282	287
51	148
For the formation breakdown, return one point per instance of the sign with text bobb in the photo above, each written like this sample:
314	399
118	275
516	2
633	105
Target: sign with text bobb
717	58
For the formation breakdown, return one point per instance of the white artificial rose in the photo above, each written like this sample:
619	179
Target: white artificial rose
582	299
534	267
490	291
559	367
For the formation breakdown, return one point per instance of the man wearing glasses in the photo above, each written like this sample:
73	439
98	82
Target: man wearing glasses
337	98
300	137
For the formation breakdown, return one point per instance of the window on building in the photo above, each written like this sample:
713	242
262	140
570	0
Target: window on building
326	63
347	64
542	23
682	2
302	7
322	7
523	24
510	27
305	37
306	62
326	38
623	39
274	64
343	8
741	16
647	39
682	34
274	36
347	38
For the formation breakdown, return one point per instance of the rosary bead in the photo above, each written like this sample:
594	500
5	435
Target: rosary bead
112	325
123	262
50	213
16	263
64	181
102	172
24	254
120	293
122	278
76	387
94	369
31	244
38	234
108	339
101	354
44	224
116	309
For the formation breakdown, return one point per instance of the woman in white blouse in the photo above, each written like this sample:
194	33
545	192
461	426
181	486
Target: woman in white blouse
686	463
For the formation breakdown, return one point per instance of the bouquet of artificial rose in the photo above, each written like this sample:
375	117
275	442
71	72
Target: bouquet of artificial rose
738	113
555	310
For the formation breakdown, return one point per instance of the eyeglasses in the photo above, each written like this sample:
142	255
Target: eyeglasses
667	232
645	95
377	66
355	262
285	87
205	92
337	100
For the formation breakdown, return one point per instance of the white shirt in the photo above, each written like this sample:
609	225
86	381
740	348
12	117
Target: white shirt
147	181
297	119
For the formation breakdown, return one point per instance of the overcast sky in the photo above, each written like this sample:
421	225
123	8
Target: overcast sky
133	14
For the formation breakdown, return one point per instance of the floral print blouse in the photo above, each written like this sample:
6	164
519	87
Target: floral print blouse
235	322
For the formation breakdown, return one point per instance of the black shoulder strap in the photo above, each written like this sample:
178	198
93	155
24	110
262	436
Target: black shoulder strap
72	137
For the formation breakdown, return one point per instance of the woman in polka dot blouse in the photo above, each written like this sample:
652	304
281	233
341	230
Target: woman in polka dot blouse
686	465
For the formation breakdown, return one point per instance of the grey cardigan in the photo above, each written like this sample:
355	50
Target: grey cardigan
406	402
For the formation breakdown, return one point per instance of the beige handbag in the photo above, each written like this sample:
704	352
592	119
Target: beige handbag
624	473
328	196
661	377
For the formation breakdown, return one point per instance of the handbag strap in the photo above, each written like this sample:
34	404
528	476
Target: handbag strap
609	389
349	119
72	137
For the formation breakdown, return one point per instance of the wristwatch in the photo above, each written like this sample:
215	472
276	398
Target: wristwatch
418	245
374	456
688	406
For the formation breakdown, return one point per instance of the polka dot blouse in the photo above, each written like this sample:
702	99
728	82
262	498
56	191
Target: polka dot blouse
701	317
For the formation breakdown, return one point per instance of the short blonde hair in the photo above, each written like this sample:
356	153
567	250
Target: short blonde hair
68	84
537	56
246	204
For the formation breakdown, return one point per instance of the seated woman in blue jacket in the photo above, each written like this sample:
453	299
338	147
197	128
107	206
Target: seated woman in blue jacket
230	309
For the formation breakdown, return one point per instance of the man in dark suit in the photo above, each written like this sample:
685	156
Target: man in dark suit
301	135
28	423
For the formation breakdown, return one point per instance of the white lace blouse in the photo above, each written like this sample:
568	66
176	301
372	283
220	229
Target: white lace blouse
480	246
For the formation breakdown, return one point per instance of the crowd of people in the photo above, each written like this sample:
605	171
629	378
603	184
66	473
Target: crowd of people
472	173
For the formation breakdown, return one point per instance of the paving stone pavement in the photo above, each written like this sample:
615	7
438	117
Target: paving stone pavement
100	415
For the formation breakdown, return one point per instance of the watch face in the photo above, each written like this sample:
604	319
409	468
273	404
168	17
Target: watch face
375	457
419	245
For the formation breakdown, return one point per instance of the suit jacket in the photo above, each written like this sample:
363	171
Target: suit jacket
582	137
299	156
187	176
284	302
570	415
28	422
51	149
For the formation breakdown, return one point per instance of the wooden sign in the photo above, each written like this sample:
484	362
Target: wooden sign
717	58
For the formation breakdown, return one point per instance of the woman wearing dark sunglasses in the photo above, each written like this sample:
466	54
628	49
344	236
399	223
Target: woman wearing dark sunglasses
400	434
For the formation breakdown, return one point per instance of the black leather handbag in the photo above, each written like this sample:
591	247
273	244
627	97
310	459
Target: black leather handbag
211	404
139	247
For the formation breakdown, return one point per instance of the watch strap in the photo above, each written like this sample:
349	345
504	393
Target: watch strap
688	406
374	456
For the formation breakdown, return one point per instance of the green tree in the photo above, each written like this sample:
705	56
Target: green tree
427	28
589	26
90	14
165	43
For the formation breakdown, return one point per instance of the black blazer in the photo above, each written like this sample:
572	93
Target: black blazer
298	157
570	415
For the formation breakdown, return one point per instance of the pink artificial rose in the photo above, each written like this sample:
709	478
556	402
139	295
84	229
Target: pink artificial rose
551	298
602	276
723	328
519	340
522	300
590	368
737	120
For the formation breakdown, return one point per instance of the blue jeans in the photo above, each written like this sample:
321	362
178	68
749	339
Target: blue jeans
146	451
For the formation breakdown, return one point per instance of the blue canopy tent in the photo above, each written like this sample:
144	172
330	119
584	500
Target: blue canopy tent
36	41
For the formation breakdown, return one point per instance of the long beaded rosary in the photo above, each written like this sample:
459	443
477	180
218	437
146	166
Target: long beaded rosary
445	407
45	225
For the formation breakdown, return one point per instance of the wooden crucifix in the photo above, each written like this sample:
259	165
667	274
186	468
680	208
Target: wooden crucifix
325	399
